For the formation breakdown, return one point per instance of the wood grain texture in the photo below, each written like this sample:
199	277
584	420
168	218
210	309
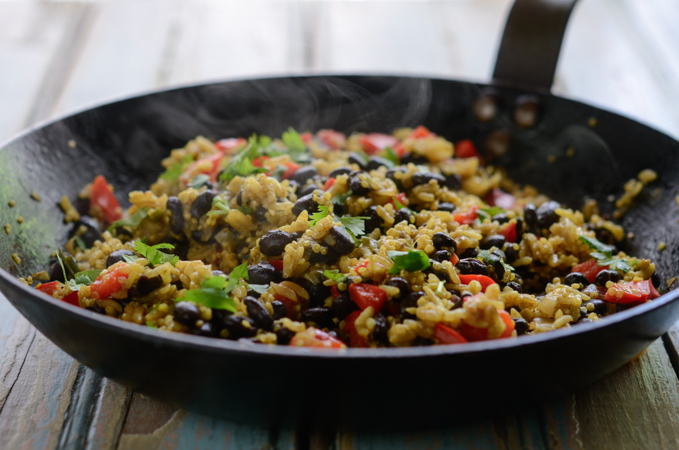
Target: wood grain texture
16	335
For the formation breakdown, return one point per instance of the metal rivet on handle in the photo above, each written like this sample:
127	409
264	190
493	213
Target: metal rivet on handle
485	107
527	111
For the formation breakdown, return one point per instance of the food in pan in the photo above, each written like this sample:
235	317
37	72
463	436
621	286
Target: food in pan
324	240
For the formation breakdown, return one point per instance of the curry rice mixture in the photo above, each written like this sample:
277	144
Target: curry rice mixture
328	241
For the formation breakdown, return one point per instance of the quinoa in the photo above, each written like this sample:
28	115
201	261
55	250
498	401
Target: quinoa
366	240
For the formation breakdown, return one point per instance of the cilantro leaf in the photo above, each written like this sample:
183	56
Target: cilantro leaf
153	253
198	181
133	221
322	213
486	256
412	261
596	245
241	163
84	278
390	155
354	225
604	255
259	288
235	277
211	297
172	173
295	144
245	210
335	276
341	199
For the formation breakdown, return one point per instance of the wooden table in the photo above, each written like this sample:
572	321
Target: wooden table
59	56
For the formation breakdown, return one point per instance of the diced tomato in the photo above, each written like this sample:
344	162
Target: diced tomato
454	259
468	217
49	288
331	138
402	199
224	145
376	142
627	292
328	184
71	299
589	269
334	291
355	339
508	230
400	150
446	335
258	161
481	334
313	337
289	305
498	197
277	264
292	168
421	132
466	149
306	137
102	201
365	295
482	279
110	283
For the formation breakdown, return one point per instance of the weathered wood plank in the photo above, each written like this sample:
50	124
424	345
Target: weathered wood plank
16	335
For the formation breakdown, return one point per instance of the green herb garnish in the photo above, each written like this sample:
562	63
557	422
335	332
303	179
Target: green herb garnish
241	163
133	221
335	276
80	243
84	278
214	292
412	261
341	199
175	170
398	204
354	225
295	144
487	213
245	210
150	325
259	288
485	255
322	213
153	253
68	265
604	255
198	181
390	155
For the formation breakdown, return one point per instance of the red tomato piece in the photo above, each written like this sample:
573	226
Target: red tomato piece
589	269
277	264
421	132
292	168
214	170
328	184
627	292
454	259
48	288
331	138
306	137
376	142
400	150
498	197
313	337
365	295
258	161
224	145
482	279
446	335
71	299
402	199
110	283
466	149
468	217
481	334
355	339
289	305
103	202
508	230
334	291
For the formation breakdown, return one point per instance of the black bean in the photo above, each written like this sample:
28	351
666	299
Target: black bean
279	310
305	203
234	325
273	243
655	279
375	220
329	257
465	294
415	159
263	273
521	326
425	177
202	204
355	158
498	270
599	306
494	240
471	266
515	286
340	171
258	313
453	182
339	240
500	218
317	292
511	254
92	231
146	285
186	313
342	306
284	336
500	255
322	317
607	275
391	174
547	215
444	241
403	214
410	302
458	302
307	190
57	273
576	278
471	252
357	188
380	332
117	256
204	330
260	214
253	293
447	206
375	162
302	174
401	285
530	214
605	236
441	255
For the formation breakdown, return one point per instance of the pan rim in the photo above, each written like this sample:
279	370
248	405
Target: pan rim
226	346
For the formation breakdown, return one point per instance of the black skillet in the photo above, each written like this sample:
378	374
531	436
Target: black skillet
359	388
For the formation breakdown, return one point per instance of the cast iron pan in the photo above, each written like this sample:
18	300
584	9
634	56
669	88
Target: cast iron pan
358	388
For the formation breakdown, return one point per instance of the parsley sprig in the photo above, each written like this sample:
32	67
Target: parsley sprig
175	170
132	222
355	226
296	146
153	253
214	292
412	261
241	163
604	255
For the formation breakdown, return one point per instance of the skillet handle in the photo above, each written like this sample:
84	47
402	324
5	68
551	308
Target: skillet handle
529	50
